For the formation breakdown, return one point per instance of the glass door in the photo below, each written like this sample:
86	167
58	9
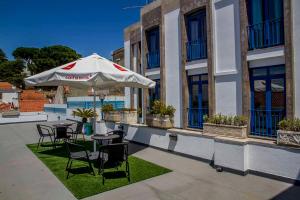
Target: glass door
267	100
198	103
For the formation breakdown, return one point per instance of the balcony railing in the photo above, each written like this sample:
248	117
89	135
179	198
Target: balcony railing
153	59
267	34
264	123
195	117
196	50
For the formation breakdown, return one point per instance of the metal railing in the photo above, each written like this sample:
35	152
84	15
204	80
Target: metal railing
196	50
264	123
266	34
90	104
195	117
55	110
153	59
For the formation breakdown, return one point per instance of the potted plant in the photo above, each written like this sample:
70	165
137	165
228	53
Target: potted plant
129	116
160	116
234	126
289	132
85	114
110	114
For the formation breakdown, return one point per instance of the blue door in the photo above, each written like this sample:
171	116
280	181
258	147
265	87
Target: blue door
267	99
198	101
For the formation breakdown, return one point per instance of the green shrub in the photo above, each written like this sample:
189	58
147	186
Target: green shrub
160	108
128	109
84	113
107	108
290	124
226	120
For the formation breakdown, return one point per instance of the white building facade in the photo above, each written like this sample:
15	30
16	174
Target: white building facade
234	57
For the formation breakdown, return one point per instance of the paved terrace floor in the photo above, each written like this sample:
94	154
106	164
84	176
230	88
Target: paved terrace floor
23	176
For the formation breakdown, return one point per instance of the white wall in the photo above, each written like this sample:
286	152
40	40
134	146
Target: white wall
296	43
231	156
127	65
11	98
279	161
25	117
173	64
226	29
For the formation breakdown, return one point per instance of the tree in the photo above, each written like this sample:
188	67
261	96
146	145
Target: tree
12	72
2	56
38	60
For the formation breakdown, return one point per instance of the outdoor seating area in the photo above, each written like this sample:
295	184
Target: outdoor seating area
86	171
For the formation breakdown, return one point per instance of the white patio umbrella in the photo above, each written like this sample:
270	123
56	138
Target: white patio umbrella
92	71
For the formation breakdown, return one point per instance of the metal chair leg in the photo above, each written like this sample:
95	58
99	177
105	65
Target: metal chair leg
69	169
39	143
91	168
68	164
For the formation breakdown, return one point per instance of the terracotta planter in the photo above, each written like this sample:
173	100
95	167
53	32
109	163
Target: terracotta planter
113	116
129	117
291	138
158	121
226	130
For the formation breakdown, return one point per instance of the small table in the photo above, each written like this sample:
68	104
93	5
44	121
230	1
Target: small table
101	138
61	130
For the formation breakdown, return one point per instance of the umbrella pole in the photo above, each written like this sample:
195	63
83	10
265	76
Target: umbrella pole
94	121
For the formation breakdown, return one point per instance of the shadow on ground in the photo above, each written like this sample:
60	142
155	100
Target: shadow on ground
291	193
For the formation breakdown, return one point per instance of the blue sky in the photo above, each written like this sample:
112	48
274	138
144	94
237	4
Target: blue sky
87	26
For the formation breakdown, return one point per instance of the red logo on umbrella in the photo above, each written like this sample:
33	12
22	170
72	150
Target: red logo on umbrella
70	66
119	67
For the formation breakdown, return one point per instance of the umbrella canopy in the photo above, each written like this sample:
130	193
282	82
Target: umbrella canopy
91	71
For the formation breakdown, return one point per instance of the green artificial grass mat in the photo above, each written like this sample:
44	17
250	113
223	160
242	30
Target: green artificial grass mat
82	183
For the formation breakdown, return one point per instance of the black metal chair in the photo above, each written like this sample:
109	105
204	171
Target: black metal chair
113	156
79	152
119	139
44	131
78	131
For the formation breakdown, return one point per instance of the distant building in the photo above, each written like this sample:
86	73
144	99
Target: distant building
9	94
118	56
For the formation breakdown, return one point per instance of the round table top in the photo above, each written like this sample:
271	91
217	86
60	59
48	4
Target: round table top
62	124
104	137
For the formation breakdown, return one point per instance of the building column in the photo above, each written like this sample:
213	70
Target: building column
295	27
127	65
245	69
289	58
173	77
227	54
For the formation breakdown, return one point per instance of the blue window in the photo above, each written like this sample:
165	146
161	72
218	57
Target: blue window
149	1
153	55
266	26
198	100
267	99
154	93
196	46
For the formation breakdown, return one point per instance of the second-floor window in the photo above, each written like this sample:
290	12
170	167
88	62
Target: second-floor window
196	45
266	27
153	55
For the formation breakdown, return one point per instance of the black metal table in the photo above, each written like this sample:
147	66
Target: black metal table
61	130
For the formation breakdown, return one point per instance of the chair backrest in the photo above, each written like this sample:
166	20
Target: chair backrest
43	129
116	153
39	129
120	138
79	127
73	148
